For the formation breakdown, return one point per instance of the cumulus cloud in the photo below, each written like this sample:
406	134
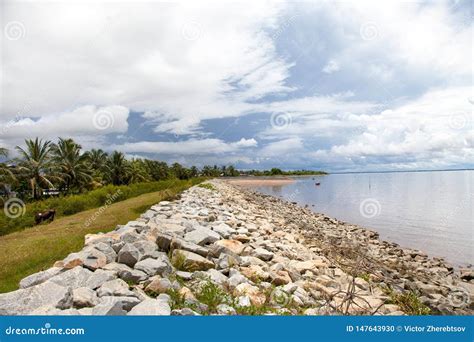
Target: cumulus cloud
186	147
362	84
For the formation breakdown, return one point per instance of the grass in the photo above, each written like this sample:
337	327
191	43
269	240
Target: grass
72	204
409	302
212	295
34	249
208	186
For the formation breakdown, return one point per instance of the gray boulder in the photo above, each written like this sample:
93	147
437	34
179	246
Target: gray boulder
128	255
74	278
178	243
114	306
154	266
202	236
151	307
116	287
25	301
40	277
190	262
84	297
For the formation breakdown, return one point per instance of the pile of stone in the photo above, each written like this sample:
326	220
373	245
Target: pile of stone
223	250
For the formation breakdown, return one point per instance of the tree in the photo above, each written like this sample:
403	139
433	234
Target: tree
193	171
118	169
71	165
275	171
179	171
138	172
157	170
6	175
36	165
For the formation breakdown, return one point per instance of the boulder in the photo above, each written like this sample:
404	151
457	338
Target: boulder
227	247
107	250
163	240
256	297
189	261
40	277
223	230
114	306
159	285
263	254
94	259
84	297
280	277
99	277
308	265
153	266
178	243
24	301
116	287
255	273
74	278
202	236
132	276
128	255
151	307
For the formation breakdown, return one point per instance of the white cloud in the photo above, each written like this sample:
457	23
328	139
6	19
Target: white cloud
83	122
186	147
331	67
434	130
183	62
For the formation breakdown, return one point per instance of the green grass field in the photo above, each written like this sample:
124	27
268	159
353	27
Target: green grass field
37	248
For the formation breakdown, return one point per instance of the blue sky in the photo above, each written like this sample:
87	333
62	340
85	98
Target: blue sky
339	86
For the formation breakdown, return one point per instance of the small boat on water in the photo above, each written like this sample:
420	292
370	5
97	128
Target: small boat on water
318	184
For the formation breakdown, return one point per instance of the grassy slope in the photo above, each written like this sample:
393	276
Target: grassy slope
31	250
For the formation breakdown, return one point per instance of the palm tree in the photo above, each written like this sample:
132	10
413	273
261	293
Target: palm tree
36	165
71	165
118	169
6	175
97	159
138	172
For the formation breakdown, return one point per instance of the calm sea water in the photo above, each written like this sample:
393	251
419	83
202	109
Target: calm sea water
430	211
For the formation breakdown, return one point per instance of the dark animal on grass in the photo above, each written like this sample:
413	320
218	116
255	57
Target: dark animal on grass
45	216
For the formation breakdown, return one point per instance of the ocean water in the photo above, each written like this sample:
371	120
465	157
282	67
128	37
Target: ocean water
429	211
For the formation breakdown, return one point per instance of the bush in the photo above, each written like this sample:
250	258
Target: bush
72	204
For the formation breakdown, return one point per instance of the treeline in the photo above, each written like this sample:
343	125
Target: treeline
279	172
45	167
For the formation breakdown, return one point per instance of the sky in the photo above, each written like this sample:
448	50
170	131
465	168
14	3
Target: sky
335	86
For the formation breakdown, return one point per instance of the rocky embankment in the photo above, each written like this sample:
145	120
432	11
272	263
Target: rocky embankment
220	249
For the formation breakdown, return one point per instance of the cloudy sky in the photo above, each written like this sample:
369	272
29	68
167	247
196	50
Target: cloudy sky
345	85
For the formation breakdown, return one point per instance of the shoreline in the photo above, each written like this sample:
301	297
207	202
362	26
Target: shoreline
256	253
260	181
